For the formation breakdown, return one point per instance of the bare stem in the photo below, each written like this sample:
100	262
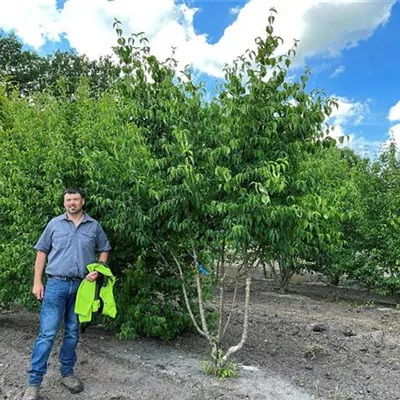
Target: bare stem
234	349
201	303
221	272
232	305
189	308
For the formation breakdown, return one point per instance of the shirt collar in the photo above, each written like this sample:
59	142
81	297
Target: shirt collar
86	217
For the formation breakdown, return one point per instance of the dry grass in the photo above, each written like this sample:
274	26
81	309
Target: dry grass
314	351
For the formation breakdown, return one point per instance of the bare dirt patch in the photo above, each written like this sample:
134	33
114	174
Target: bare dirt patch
317	342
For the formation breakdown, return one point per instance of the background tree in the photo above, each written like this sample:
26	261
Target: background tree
338	185
29	72
22	68
377	261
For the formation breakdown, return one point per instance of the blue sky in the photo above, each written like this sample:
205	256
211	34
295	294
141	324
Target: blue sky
351	46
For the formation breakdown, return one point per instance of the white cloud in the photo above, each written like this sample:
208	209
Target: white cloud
341	24
234	10
323	27
355	141
339	70
394	133
345	121
336	132
349	112
88	24
34	21
394	113
364	147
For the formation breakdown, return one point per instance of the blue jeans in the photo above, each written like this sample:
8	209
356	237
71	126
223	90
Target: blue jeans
58	303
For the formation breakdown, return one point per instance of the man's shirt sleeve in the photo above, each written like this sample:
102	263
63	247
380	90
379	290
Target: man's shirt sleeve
44	242
102	243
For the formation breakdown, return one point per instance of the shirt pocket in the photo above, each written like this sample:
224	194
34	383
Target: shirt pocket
88	239
61	240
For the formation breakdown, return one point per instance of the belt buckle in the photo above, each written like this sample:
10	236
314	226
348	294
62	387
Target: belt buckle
65	278
71	278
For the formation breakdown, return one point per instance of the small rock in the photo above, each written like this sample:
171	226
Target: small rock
319	328
250	368
348	332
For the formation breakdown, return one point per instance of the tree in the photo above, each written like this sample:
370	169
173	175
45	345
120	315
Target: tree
29	72
262	204
338	185
377	263
21	67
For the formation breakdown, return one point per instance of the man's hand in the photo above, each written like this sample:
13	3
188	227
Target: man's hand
92	276
38	290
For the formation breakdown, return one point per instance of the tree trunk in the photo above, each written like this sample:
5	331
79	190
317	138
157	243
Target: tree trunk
233	349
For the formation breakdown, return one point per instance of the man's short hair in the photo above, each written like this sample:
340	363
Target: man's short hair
73	190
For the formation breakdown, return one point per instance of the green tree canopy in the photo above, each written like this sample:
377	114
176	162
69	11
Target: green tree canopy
29	72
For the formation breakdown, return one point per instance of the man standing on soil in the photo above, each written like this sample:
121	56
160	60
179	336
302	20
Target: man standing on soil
68	244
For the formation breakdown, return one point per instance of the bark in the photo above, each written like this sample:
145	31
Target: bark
221	271
189	308
234	349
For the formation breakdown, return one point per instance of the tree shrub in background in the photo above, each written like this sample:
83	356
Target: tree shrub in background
337	176
28	72
377	259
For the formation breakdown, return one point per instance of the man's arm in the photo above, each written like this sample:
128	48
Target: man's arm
38	289
103	247
103	257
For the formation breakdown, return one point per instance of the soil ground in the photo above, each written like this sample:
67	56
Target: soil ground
317	342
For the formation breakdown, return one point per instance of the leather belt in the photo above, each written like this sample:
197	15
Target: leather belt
66	278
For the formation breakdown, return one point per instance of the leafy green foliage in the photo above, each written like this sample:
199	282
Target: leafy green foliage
337	176
367	194
377	259
271	129
29	72
227	370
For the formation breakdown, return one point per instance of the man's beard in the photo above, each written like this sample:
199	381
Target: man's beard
74	210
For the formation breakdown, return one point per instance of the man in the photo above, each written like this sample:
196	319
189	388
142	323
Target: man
69	243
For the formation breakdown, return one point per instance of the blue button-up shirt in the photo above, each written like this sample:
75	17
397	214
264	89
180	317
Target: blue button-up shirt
69	248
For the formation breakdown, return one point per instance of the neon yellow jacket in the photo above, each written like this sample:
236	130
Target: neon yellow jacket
86	303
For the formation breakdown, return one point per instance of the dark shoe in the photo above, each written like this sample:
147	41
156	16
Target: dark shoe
73	384
31	393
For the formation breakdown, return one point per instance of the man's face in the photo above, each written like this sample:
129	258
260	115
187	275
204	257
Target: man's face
73	203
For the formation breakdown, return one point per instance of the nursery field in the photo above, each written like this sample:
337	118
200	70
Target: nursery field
317	342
